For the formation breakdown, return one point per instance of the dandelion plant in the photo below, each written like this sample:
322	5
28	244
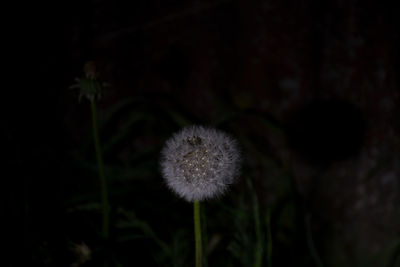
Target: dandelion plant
199	163
90	87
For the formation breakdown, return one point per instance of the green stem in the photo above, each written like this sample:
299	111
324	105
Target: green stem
197	233
103	182
258	230
269	239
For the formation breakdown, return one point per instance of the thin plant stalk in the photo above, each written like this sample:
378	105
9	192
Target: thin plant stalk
257	226
103	182
197	234
259	243
269	239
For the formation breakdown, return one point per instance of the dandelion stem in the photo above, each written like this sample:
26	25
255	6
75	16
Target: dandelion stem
103	182
269	239
197	233
257	226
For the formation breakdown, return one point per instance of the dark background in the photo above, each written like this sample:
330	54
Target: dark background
309	89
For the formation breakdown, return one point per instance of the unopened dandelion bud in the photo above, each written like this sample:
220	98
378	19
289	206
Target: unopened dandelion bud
89	85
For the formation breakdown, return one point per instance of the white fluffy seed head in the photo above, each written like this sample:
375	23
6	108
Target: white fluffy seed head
199	163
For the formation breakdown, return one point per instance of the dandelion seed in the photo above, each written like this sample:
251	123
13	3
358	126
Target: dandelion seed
199	163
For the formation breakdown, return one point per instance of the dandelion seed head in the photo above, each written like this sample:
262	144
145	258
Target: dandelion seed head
199	163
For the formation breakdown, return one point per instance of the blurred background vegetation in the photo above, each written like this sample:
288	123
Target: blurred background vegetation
310	90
